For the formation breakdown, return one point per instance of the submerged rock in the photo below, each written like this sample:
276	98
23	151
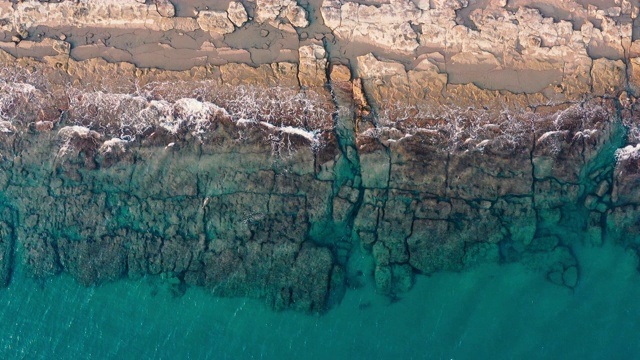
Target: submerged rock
262	210
428	136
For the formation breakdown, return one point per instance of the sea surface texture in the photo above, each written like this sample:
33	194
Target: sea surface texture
494	311
319	179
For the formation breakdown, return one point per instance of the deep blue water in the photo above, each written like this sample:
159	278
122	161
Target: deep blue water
492	312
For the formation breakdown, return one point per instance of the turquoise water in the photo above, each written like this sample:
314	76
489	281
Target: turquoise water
492	312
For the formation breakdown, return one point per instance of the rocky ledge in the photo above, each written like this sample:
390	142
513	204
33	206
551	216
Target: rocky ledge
289	151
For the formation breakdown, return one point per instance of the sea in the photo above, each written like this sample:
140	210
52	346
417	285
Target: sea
495	311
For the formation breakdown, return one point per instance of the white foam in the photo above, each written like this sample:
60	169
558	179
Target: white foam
628	152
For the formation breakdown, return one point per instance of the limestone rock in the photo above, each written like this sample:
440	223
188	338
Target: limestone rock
532	58
237	13
112	13
340	73
273	10
387	25
296	15
165	8
278	74
608	77
634	75
313	66
215	22
375	73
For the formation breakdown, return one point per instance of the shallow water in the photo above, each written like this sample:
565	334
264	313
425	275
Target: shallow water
495	311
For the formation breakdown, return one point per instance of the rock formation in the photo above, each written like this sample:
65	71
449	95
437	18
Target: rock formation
253	147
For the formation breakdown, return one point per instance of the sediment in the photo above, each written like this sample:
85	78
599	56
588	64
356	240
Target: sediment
285	139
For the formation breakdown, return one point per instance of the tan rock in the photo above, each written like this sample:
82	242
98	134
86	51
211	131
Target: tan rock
61	47
296	15
634	76
109	13
383	81
272	10
341	86
359	98
340	73
313	66
426	82
450	4
237	13
279	74
515	55
165	8
181	24
44	126
608	76
387	25
215	22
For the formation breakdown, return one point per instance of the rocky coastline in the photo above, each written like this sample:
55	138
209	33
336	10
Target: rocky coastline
291	150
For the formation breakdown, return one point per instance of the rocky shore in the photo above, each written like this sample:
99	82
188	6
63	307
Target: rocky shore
289	150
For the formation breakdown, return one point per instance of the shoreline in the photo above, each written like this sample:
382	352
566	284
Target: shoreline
267	161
